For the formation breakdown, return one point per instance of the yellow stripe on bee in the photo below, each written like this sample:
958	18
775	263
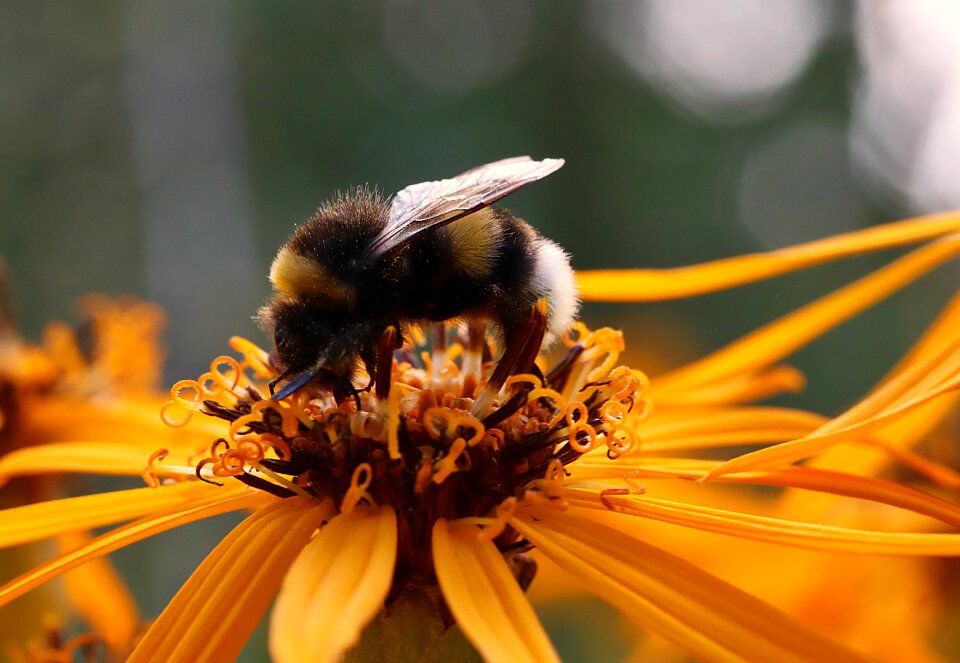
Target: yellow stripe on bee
294	274
474	241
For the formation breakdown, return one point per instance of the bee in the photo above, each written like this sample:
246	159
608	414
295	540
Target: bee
436	251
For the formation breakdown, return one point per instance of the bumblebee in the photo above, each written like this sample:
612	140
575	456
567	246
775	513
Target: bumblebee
434	252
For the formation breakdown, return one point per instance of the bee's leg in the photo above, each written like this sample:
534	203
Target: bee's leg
380	366
475	347
272	385
521	345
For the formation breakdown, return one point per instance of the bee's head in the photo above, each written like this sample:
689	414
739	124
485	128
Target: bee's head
309	336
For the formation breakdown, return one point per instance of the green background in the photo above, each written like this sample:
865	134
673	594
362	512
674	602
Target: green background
167	150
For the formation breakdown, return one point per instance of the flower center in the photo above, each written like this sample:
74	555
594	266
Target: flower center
440	434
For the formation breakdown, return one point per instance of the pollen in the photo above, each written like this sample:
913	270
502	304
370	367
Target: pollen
439	434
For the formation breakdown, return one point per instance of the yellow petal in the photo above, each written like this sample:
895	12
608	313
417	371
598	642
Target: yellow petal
903	434
109	458
704	428
125	535
134	422
773	530
895	399
806	478
739	388
644	285
484	597
45	519
99	595
700	613
778	339
335	588
216	610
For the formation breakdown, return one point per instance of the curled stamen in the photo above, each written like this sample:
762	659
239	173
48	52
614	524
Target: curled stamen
357	492
468	422
172	421
620	441
613	412
574	438
559	403
574	334
227	383
253	356
288	414
631	480
548	490
493	526
524	378
279	445
494	438
605	494
448	464
187	405
199	471
577	413
149	474
430	417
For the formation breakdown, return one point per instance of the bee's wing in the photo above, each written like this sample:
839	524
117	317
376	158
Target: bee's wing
429	205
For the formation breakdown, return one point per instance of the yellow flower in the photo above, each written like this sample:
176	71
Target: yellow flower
432	487
61	397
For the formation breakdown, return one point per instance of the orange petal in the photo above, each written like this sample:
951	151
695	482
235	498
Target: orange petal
893	400
484	597
807	478
778	339
697	428
644	285
773	530
216	610
712	620
901	435
739	388
336	587
99	595
45	519
131	421
109	458
125	535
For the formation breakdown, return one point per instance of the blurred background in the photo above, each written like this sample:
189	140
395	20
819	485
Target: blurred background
168	149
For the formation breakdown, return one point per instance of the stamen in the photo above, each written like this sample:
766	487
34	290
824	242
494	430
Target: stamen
253	356
149	474
283	481
448	464
559	404
492	526
580	432
524	378
357	492
186	405
548	491
606	494
518	357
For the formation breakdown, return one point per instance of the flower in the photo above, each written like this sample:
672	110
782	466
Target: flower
59	396
430	488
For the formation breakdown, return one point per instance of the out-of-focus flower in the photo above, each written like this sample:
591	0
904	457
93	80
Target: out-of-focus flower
424	494
76	390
